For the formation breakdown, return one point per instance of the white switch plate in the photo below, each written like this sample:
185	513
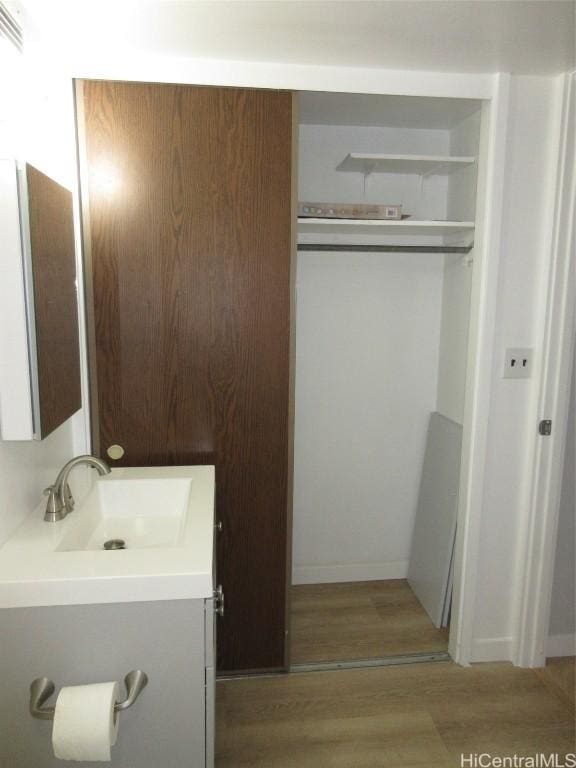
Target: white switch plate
518	363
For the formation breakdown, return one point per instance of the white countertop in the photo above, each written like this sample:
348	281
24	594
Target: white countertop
33	572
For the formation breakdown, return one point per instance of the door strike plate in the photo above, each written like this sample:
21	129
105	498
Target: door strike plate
545	427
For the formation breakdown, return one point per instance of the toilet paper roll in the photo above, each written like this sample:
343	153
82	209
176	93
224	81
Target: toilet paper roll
84	723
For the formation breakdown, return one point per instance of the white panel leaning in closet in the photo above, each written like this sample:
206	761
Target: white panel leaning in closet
382	321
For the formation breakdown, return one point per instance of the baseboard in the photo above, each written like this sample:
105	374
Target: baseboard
492	649
331	574
561	645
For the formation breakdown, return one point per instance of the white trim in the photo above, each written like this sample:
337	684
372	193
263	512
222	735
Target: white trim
491	649
479	370
293	77
82	432
342	572
561	645
28	271
535	584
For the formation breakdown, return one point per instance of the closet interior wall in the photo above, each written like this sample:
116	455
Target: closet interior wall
381	343
457	276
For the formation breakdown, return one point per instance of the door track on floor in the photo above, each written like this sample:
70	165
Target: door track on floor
382	661
331	666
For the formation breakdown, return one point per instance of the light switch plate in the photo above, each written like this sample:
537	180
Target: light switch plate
518	363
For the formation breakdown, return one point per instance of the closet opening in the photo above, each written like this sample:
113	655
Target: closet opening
385	257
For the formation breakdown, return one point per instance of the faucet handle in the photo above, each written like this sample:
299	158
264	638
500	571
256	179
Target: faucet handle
53	505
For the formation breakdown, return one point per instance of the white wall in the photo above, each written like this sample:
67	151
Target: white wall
322	149
456	290
457	285
464	141
528	198
361	525
366	367
367	334
36	125
27	468
562	639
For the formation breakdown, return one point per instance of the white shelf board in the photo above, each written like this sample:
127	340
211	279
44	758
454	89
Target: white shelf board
381	227
406	164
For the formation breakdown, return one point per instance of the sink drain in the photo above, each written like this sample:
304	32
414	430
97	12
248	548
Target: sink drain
115	544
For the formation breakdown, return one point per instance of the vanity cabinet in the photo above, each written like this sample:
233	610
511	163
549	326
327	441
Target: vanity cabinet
172	722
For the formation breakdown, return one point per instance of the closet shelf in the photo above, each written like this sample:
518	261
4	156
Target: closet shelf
362	248
423	165
371	235
383	227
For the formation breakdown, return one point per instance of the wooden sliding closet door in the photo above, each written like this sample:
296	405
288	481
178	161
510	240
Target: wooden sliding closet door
187	222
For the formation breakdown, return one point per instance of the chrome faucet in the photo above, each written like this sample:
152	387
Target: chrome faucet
60	500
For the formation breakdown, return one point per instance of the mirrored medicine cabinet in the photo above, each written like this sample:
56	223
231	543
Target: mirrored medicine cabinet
39	339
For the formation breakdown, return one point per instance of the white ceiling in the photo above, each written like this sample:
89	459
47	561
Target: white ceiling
519	36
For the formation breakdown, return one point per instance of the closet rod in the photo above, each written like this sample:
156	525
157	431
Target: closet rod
386	248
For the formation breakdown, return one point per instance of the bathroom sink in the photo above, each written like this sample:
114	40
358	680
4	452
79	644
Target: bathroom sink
157	523
130	513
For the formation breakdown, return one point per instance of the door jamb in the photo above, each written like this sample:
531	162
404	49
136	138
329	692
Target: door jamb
479	368
558	329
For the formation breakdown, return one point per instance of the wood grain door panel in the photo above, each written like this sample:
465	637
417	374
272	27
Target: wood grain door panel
188	193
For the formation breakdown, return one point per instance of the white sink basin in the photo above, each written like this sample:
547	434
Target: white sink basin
141	512
164	516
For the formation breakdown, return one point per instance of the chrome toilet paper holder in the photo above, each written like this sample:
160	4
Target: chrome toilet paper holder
42	688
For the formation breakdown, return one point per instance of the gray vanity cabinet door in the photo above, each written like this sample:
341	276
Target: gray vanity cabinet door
210	661
96	643
210	715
